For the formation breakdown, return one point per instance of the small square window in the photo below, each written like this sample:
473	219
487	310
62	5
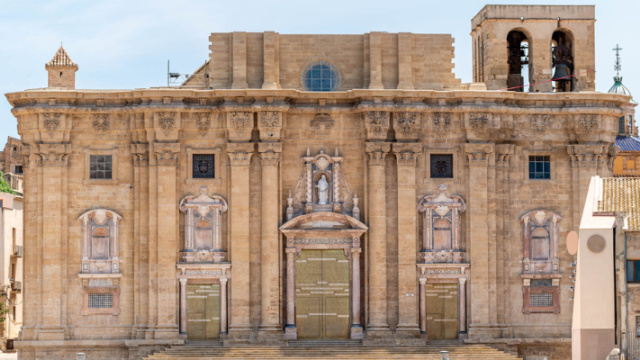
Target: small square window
203	166
441	166
17	169
539	167
100	166
100	301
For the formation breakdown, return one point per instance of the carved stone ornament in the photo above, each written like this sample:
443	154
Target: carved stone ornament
407	124
100	122
167	121
441	123
376	124
241	119
478	154
322	123
589	155
270	153
377	152
407	153
167	154
100	241
53	154
140	154
203	123
51	122
540	242
587	123
504	152
479	123
240	153
539	123
269	118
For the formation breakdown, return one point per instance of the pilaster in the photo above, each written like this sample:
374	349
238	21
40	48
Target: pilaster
140	155
270	270
378	325
239	161
239	60
52	161
405	61
167	156
375	60
503	158
407	156
271	64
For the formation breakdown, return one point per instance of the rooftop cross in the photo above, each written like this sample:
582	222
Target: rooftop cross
618	66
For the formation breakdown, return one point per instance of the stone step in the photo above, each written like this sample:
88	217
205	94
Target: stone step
309	350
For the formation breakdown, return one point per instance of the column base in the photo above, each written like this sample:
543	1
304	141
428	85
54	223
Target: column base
163	332
378	335
242	332
408	331
51	333
485	331
290	332
356	332
270	332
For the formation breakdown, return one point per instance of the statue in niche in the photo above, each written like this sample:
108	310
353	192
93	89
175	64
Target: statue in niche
323	191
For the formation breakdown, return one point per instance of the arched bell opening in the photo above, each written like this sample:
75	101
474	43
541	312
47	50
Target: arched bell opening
518	60
562	61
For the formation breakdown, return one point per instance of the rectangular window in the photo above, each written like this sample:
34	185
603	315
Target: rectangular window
100	166
441	166
203	166
539	167
17	169
100	301
541	299
638	326
633	271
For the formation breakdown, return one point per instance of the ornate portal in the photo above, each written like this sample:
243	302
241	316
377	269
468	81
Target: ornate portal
203	228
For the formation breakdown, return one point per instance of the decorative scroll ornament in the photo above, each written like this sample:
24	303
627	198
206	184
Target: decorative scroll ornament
407	121
51	122
587	123
167	121
539	123
241	119
441	123
100	122
203	123
269	118
479	123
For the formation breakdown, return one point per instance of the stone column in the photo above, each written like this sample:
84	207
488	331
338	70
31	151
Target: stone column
375	60
423	306
405	61
52	163
223	305
479	156
462	306
167	156
239	159
290	332
377	326
183	306
356	326
239	60
270	269
407	156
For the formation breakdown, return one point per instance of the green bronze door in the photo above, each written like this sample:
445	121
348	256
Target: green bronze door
203	311
322	295
442	311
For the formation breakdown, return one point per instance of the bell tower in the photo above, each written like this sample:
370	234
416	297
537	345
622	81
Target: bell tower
62	71
534	48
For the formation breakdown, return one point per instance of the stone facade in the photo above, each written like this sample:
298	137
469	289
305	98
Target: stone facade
240	179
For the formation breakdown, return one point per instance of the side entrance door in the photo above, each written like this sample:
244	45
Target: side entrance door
442	311
203	311
322	295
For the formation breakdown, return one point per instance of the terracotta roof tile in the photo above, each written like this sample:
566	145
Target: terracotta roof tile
61	58
622	194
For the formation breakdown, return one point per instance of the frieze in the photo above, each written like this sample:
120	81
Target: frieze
204	272
407	124
167	121
203	123
539	123
322	122
322	241
441	271
269	118
479	123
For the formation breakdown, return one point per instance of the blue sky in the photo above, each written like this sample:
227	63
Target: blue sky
126	44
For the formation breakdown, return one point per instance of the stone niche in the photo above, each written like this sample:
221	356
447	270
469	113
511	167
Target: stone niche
441	241
203	228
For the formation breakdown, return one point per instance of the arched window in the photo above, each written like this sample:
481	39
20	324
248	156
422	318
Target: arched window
321	75
621	129
518	46
562	61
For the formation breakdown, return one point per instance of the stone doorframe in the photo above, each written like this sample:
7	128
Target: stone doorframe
319	231
193	273
441	274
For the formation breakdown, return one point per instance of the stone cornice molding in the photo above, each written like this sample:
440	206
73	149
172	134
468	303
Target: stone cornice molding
140	154
407	153
591	156
53	155
504	152
478	154
167	154
270	153
377	152
240	153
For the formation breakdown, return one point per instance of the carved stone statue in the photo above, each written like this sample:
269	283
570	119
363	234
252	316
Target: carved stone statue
323	191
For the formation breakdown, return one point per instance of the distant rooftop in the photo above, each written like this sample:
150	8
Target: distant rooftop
622	194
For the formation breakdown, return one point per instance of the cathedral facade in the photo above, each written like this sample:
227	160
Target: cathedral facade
317	187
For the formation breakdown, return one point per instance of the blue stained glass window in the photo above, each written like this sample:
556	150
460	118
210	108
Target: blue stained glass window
321	76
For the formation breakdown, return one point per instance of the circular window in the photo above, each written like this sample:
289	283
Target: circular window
321	75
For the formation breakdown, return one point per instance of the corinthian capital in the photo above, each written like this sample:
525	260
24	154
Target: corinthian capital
270	153
240	153
377	152
167	154
589	155
478	154
407	153
504	152
53	154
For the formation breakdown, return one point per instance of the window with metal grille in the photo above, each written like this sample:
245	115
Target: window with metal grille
541	299
100	166
441	166
539	167
100	301
203	166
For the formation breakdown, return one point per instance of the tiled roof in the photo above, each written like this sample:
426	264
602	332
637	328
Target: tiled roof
622	194
627	143
61	58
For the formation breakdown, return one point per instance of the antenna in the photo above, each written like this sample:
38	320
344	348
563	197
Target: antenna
618	66
173	78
